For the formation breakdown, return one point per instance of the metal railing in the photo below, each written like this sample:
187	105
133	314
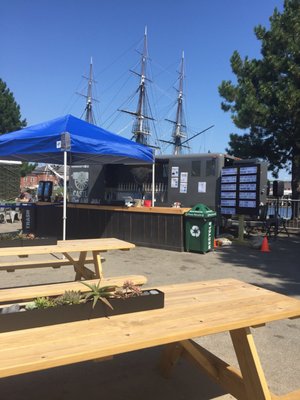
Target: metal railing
288	209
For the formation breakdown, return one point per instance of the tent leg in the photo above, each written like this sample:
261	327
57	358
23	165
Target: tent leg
153	184
65	197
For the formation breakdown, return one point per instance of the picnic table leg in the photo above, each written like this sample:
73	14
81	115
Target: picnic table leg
169	358
80	269
97	264
253	376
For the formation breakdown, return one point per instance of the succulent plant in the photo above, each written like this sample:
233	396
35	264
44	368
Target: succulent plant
129	289
69	297
30	306
44	302
99	293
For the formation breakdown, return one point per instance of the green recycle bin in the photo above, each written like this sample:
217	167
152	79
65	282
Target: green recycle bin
199	229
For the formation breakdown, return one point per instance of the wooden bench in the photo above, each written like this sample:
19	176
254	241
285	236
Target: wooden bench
28	263
55	289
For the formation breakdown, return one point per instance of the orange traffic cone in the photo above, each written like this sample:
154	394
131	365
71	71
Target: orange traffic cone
265	245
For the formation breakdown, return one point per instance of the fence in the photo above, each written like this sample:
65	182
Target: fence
286	208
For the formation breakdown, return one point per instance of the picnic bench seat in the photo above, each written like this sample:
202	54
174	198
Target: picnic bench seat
55	289
66	249
28	263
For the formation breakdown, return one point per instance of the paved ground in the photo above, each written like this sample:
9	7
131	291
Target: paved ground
134	376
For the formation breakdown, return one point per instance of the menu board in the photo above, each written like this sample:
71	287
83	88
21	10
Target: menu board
239	193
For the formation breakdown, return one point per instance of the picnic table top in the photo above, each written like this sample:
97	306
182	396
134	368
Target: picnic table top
68	246
191	310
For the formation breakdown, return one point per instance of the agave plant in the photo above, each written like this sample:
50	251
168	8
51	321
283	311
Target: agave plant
99	293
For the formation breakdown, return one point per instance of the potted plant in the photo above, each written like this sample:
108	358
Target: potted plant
75	306
20	239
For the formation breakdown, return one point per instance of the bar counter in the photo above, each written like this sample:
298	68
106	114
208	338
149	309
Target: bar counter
157	227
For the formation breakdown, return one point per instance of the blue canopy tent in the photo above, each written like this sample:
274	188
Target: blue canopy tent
69	140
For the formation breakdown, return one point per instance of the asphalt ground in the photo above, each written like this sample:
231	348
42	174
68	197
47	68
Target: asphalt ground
135	375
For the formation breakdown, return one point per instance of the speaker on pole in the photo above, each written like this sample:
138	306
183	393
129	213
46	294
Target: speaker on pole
278	188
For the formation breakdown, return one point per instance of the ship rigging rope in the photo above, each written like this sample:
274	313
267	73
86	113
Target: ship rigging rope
67	108
163	69
121	55
119	112
154	127
116	81
113	98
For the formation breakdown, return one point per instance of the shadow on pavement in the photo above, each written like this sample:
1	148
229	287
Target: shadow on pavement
281	264
131	376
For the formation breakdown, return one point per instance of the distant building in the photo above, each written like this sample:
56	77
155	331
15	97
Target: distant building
42	173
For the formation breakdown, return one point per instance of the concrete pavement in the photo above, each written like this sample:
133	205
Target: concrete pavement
135	375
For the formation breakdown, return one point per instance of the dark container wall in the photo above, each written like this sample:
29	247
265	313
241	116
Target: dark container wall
164	231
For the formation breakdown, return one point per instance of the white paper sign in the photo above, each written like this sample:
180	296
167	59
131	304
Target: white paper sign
175	172
174	183
201	187
183	177
183	188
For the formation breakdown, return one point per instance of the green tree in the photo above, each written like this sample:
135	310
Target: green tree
10	115
10	119
27	168
265	99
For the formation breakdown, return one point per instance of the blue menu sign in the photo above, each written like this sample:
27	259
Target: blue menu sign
239	194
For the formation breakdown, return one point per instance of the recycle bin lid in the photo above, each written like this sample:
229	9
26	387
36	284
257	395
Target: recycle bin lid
201	210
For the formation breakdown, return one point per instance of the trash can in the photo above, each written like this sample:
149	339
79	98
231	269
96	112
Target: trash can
199	229
28	217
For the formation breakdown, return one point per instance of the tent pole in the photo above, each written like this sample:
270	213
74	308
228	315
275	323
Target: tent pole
65	197
153	184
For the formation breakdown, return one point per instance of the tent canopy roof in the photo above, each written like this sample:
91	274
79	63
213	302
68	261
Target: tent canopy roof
89	144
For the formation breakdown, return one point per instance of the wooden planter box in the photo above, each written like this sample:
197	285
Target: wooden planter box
41	241
28	242
70	313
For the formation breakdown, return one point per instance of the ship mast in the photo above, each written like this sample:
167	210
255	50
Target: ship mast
88	111
89	106
141	128
179	130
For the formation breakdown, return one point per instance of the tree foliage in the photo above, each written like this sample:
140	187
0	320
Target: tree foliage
27	168
10	115
265	99
10	119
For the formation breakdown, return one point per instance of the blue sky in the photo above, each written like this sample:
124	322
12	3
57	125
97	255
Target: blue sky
46	47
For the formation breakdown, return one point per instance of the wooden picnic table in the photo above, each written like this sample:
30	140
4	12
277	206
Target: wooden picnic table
191	310
65	248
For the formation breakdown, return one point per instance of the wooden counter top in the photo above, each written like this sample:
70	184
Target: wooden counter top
151	210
